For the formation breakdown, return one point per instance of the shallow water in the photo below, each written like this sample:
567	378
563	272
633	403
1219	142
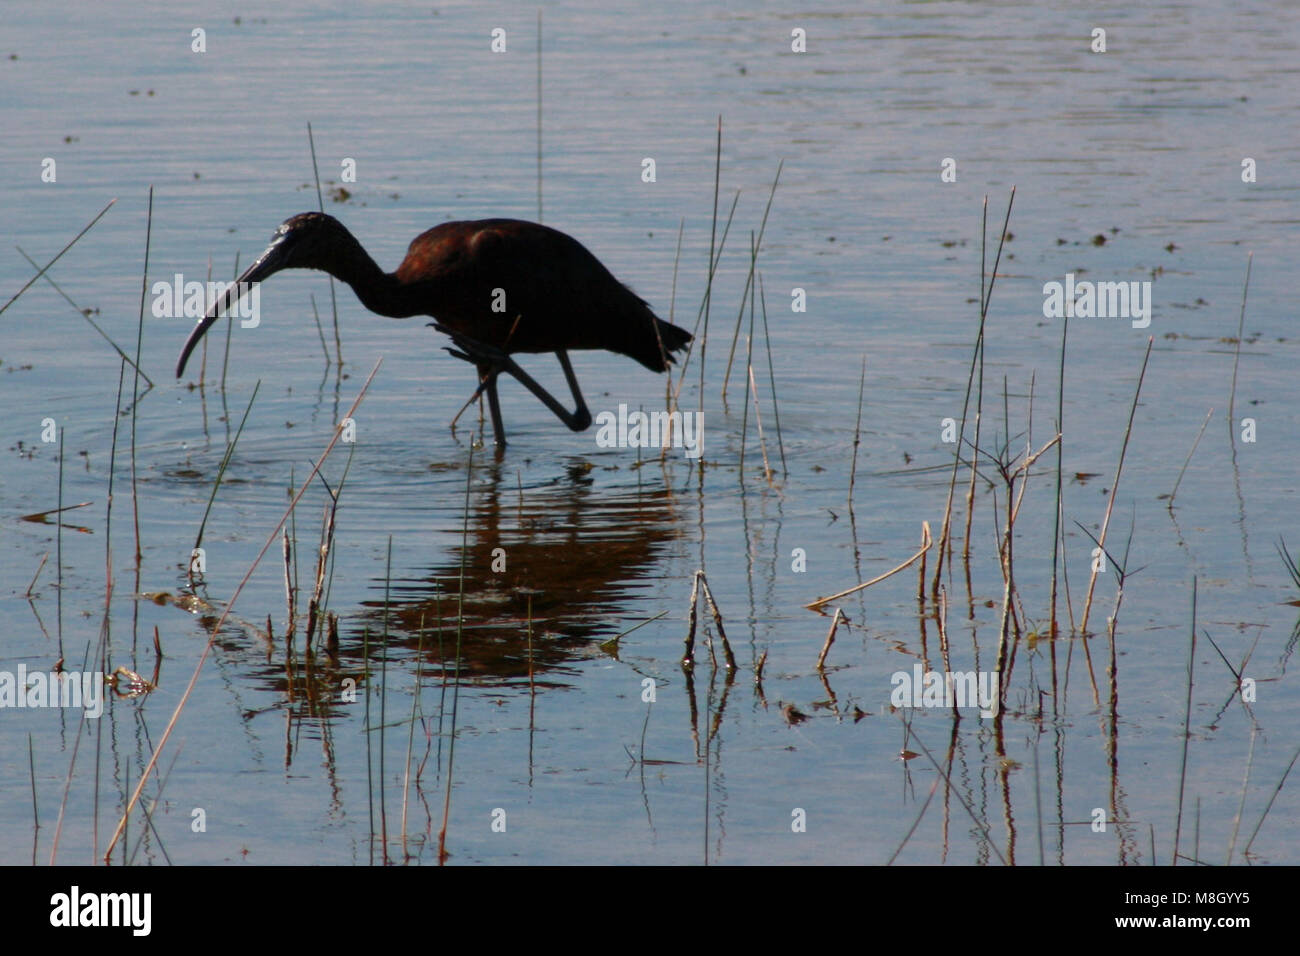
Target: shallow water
1142	145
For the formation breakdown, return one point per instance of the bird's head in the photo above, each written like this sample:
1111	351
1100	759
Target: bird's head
309	240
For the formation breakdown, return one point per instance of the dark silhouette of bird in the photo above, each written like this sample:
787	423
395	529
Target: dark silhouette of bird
495	286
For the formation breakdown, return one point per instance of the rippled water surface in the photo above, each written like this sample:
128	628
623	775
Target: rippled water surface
570	746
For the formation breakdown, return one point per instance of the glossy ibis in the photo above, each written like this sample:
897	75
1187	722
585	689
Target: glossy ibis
495	286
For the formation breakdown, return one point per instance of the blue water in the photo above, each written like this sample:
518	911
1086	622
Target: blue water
1142	144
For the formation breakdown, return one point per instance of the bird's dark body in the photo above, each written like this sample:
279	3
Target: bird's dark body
554	293
496	286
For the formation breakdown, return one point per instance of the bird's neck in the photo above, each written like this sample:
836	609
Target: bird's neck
382	293
379	291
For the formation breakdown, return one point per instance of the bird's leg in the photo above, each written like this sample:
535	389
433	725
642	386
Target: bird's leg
488	371
498	361
488	381
581	416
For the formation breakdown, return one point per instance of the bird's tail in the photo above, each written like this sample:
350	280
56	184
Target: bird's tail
640	334
671	339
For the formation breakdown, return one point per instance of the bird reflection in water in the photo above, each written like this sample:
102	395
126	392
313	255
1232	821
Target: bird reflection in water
577	554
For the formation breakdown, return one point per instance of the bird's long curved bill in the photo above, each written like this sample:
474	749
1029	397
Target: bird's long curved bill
270	261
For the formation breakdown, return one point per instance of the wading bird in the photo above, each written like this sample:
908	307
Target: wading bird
495	286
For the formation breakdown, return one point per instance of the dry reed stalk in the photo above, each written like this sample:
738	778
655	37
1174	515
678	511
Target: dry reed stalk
383	708
1241	806
315	314
744	421
460	630
58	553
1004	663
672	308
410	736
920	577
85	314
28	592
135	380
857	431
771	372
288	591
830	638
1269	806
1053	628
532	689
1173	494
758	419
221	471
713	260
194	678
688	655
701	583
749	282
925	546
320	202
324	550
1236	357
942	625
1187	724
986	296
1114	487
72	242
